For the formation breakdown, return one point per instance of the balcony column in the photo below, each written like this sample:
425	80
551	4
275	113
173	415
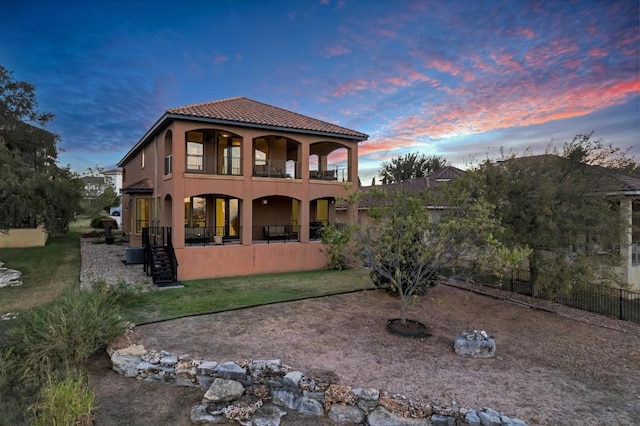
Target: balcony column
177	188
246	209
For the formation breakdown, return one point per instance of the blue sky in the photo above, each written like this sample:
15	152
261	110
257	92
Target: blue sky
459	79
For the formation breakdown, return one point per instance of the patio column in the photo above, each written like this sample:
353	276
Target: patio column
626	210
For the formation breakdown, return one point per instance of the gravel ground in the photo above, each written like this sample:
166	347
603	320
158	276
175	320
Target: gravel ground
103	263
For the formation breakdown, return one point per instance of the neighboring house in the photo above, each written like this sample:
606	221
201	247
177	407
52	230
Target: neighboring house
414	186
114	177
611	182
242	185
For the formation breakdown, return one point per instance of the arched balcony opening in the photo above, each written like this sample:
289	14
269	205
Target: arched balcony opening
330	161
212	219
211	151
277	157
276	219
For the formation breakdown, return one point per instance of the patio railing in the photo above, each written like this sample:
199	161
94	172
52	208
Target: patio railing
276	233
210	235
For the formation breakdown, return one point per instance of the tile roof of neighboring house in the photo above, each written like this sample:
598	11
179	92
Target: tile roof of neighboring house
143	186
241	111
414	186
446	173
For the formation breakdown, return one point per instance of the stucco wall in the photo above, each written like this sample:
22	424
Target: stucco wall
24	238
232	260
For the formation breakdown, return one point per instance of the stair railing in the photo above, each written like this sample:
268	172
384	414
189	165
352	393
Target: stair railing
172	252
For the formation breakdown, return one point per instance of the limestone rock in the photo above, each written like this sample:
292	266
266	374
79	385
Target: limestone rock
293	378
289	398
346	414
472	418
489	419
242	408
310	407
475	344
224	390
440	420
382	417
404	406
206	368
267	415
341	394
265	370
137	350
10	277
230	370
201	416
127	365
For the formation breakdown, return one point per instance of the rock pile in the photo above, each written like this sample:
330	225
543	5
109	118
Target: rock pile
475	344
261	392
9	277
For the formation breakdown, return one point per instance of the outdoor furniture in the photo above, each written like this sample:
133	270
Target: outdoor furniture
276	232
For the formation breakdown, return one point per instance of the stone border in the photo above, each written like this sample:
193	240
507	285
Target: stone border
258	392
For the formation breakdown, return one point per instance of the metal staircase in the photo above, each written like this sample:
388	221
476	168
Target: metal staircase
160	259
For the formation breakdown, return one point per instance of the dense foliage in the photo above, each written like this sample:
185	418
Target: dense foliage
563	205
415	237
33	188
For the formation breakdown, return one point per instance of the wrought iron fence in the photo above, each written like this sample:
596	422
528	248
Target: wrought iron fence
615	302
276	233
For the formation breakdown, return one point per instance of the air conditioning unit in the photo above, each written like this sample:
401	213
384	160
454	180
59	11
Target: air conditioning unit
133	256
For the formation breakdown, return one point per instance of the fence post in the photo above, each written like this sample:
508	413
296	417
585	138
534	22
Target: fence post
620	316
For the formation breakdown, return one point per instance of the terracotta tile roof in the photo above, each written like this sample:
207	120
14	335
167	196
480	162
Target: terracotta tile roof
240	110
414	186
143	186
446	173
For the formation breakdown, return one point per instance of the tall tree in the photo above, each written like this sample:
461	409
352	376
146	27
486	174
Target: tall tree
410	166
32	186
408	249
558	205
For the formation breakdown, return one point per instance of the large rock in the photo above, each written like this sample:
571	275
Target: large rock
382	417
310	407
224	390
127	365
267	415
346	414
230	370
475	344
201	416
10	277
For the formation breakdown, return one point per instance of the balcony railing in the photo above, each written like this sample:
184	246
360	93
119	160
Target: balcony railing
282	169
276	233
635	254
210	235
331	173
228	166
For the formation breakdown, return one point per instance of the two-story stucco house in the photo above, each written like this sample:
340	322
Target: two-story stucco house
237	187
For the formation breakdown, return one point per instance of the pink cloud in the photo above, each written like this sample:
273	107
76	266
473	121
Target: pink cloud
220	59
351	86
386	33
336	51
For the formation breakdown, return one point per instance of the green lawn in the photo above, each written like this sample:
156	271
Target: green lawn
214	295
46	272
49	271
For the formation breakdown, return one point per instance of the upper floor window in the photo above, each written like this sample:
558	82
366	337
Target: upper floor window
195	152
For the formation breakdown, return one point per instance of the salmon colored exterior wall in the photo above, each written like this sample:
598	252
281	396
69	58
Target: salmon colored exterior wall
247	257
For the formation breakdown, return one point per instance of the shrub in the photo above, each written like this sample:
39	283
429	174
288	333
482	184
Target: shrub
65	401
68	331
96	222
336	241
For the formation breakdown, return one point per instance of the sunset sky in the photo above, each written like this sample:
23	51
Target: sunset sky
459	79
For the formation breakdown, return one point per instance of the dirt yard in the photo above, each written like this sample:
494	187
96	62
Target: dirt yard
551	368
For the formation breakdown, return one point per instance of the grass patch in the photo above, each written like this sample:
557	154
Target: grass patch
46	272
218	294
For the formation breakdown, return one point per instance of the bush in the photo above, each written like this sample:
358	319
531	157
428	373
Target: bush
96	222
66	332
65	401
